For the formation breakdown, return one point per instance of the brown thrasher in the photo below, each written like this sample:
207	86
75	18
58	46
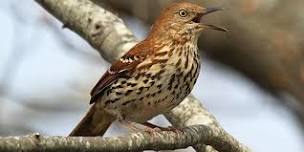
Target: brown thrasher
154	76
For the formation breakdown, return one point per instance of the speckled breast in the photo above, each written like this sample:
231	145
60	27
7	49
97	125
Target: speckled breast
156	89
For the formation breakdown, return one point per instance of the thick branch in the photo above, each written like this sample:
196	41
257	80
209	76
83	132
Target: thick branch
103	30
109	35
134	142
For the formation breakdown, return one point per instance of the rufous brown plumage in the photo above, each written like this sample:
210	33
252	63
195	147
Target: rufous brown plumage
154	76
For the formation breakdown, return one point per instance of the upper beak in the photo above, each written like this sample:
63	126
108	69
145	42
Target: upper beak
208	11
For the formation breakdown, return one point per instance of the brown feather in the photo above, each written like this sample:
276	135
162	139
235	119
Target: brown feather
160	71
120	69
95	123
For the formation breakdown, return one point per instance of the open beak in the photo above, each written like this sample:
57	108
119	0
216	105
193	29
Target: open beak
208	11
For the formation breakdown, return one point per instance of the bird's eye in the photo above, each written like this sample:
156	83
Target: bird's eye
183	13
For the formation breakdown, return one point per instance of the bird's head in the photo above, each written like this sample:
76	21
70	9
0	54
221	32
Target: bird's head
184	18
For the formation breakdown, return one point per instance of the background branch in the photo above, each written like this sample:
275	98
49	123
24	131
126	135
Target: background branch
269	51
109	35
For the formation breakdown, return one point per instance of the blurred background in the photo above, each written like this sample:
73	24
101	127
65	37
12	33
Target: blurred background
252	78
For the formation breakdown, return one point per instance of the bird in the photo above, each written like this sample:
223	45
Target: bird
154	76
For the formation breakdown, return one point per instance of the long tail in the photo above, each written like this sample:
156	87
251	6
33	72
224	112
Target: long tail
95	123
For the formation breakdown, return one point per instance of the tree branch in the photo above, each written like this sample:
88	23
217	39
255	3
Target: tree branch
105	31
160	140
109	35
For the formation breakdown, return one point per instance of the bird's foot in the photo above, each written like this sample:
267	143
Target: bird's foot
132	126
148	127
154	128
173	129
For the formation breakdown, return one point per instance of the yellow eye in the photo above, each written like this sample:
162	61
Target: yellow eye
183	13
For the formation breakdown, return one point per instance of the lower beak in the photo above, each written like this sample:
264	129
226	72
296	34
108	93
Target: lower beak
214	27
208	26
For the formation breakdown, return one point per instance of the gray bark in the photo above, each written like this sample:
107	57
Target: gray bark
159	140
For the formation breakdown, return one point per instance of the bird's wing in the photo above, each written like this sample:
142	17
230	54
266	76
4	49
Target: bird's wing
119	69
